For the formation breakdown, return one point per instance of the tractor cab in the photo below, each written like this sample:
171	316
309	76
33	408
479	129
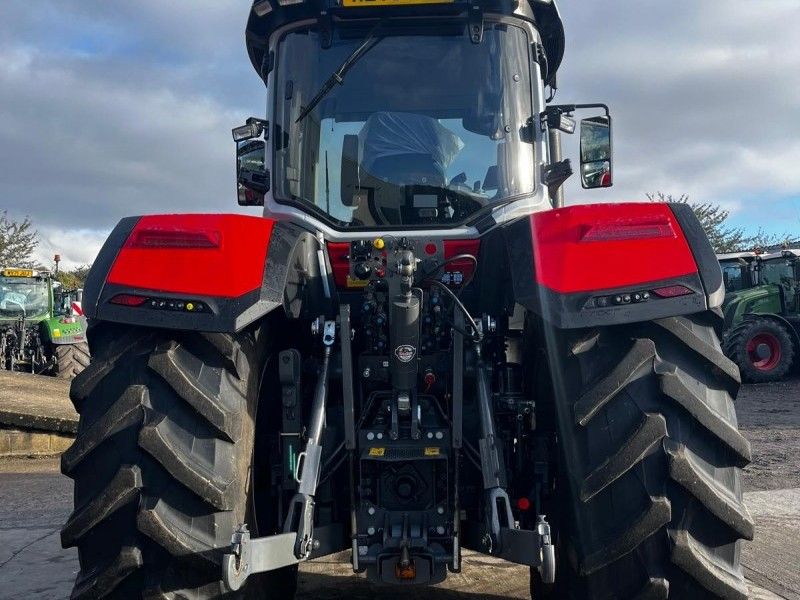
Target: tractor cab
738	270
405	116
24	293
782	269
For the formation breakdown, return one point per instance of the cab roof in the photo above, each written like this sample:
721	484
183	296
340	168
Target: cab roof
736	256
790	253
22	272
268	15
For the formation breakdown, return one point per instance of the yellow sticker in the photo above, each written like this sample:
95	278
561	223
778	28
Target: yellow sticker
431	451
357	283
56	333
17	273
377	451
352	3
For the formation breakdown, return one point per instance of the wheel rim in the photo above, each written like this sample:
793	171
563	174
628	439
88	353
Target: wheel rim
764	351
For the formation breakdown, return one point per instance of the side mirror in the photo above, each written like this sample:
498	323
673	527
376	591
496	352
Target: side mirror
251	174
596	163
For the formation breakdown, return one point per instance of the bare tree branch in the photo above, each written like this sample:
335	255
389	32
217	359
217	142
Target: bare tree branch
18	240
723	237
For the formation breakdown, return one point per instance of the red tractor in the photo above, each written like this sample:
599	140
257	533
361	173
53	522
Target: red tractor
413	352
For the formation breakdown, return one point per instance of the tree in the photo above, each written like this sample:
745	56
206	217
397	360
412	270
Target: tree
723	237
75	278
18	240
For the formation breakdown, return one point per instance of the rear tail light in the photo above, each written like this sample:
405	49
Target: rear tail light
672	291
128	300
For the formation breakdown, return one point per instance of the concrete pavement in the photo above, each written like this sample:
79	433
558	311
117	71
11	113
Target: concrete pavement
36	415
34	567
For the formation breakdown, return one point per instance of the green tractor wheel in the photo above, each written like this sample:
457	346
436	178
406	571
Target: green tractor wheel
71	359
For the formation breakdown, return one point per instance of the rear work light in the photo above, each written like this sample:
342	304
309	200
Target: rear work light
174	238
628	229
262	8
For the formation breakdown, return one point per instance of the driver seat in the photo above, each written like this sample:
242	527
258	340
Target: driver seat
408	169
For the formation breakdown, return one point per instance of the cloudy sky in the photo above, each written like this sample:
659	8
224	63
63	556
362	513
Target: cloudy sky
111	108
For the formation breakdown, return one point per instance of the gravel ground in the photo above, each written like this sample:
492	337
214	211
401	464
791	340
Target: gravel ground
769	416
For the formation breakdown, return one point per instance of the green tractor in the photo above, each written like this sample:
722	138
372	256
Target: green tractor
738	271
762	313
42	329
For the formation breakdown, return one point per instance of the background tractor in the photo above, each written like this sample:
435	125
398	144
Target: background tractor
738	271
412	352
41	331
762	319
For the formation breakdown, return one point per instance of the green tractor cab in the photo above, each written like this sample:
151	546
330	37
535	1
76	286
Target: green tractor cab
762	313
738	271
41	331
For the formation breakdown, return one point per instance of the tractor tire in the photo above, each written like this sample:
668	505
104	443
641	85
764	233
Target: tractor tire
648	436
741	346
71	359
162	463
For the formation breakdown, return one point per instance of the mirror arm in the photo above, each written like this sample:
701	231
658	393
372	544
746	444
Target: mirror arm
554	175
262	124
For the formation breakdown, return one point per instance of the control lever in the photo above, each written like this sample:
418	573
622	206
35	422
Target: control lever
498	504
300	518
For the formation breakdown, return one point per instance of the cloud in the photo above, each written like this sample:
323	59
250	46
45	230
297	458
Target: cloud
76	247
705	96
109	109
118	112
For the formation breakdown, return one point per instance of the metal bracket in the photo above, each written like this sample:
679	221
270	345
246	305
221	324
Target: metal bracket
347	378
249	556
521	546
458	377
475	23
547	569
325	23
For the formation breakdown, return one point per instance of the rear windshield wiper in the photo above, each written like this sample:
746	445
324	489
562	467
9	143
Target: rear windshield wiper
337	76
